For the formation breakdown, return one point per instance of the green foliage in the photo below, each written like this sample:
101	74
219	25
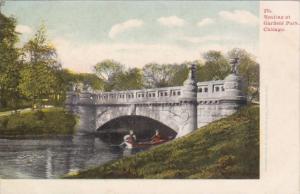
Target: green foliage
128	80
9	64
216	67
95	82
37	82
39	79
116	77
70	78
51	122
107	69
228	148
164	75
39	50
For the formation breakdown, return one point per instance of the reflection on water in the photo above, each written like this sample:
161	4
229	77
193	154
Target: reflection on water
54	157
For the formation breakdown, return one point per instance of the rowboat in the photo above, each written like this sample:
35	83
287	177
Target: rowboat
132	145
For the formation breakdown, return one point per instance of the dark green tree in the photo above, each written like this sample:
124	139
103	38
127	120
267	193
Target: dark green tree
39	77
164	75
216	67
9	63
128	80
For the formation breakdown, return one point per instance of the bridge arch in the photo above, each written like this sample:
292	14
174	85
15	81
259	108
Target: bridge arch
163	117
143	126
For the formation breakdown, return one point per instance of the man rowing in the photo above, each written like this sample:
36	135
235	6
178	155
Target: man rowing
129	139
156	137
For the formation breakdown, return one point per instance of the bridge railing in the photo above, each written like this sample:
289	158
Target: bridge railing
145	95
210	89
207	92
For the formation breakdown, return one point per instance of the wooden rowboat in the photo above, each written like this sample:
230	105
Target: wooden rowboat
146	144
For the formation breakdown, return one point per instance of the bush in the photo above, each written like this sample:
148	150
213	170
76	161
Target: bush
50	122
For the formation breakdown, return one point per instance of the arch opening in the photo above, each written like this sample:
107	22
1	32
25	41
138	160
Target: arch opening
144	128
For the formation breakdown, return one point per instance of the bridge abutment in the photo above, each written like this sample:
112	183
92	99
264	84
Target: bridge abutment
87	113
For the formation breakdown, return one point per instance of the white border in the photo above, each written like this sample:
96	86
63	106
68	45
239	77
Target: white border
279	59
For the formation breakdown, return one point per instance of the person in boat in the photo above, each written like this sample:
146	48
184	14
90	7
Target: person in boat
156	137
131	138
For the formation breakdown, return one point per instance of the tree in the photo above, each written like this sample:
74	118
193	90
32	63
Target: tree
39	78
249	69
39	50
180	73
164	75
9	63
107	71
216	67
38	83
131	79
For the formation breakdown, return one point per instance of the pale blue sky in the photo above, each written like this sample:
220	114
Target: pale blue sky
136	33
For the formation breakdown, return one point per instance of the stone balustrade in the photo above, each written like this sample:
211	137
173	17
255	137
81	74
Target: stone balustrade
168	94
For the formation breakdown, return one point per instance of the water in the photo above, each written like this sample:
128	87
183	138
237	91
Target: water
54	157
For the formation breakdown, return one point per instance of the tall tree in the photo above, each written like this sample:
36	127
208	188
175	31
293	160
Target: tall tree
131	79
180	73
164	75
39	50
108	68
39	78
9	62
107	71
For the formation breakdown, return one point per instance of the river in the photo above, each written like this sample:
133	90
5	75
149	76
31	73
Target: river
54	157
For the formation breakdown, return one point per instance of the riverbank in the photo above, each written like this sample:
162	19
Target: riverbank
228	148
45	122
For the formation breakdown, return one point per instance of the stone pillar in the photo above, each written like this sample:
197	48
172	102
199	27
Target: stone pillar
86	113
189	103
233	96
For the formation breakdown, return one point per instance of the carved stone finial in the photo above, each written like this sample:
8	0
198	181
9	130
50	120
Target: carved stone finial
192	69
234	63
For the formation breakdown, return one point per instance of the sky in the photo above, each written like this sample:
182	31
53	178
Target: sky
138	32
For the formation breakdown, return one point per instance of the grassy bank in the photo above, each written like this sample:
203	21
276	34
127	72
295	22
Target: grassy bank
228	148
53	121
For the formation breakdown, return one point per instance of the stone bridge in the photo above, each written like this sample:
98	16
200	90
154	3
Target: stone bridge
182	108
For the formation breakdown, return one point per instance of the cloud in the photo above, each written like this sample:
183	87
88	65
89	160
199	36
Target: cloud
209	38
122	27
171	21
23	29
200	39
239	16
82	57
205	22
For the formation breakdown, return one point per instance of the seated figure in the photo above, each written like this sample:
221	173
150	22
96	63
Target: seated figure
156	137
